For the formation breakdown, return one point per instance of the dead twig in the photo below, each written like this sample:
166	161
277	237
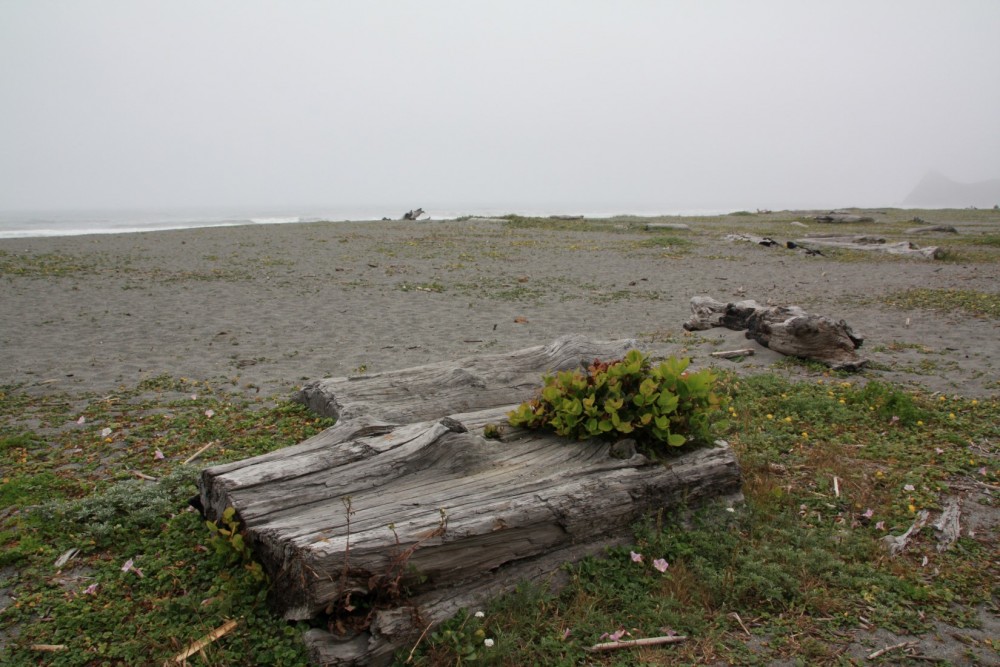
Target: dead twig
733	354
629	643
211	637
413	650
198	453
49	648
894	647
740	621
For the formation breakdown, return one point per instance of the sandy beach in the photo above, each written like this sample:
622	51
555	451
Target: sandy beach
267	307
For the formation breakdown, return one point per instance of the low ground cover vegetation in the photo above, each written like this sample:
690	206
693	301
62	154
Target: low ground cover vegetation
103	561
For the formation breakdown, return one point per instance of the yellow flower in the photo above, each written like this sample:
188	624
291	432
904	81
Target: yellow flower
951	415
975	402
879	473
942	398
770	416
788	420
920	422
805	436
843	402
912	508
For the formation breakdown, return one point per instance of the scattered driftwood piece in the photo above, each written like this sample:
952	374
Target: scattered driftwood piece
414	214
49	648
786	329
889	649
896	545
435	390
200	452
651	226
213	636
632	643
565	217
947	229
798	224
877	244
768	242
733	354
947	525
836	217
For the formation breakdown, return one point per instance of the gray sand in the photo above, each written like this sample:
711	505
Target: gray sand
272	306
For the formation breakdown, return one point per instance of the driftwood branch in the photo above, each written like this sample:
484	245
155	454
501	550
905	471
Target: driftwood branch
896	545
948	525
786	329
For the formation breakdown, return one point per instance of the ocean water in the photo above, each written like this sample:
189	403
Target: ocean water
38	223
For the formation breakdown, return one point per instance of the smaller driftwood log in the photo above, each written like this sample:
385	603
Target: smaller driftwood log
786	329
874	244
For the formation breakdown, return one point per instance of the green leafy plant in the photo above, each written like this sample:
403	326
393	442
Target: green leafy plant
230	545
661	407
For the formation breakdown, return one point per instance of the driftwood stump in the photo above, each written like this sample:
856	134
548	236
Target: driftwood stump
355	515
785	329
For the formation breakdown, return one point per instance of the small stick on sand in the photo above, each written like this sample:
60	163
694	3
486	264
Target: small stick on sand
740	621
648	641
836	486
49	648
198	453
887	649
212	636
142	475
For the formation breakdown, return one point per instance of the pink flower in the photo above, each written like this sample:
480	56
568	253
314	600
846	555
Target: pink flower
982	471
91	589
158	455
129	566
636	558
566	633
209	413
81	420
105	432
908	487
880	525
194	397
869	513
661	564
939	450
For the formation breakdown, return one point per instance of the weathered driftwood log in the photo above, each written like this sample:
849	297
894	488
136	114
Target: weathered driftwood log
946	229
835	217
785	329
414	214
349	517
464	385
344	517
768	242
874	243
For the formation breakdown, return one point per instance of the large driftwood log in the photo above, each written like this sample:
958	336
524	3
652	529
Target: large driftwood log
353	511
347	516
785	329
464	385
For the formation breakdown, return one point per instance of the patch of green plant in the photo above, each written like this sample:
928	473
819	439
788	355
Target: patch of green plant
661	407
801	565
983	304
43	265
146	579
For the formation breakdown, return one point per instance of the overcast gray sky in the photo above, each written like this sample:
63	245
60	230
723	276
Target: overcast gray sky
622	104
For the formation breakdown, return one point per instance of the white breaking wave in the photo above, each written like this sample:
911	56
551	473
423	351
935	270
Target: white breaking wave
275	221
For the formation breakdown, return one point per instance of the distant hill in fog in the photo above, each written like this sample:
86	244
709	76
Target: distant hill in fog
938	191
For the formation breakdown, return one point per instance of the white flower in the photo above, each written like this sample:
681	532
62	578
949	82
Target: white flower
488	642
480	614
